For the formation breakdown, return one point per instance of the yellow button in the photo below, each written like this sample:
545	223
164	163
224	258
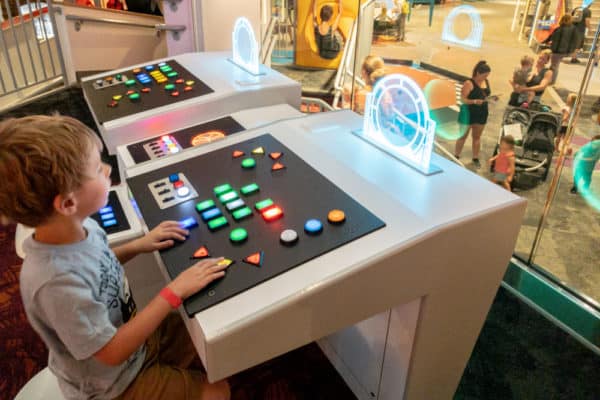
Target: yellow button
336	216
189	83
225	262
117	97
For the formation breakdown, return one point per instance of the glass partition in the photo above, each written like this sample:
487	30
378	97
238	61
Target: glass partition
532	88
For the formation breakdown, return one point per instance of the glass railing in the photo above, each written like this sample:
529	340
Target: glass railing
530	102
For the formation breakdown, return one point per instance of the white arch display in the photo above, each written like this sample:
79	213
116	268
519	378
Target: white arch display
244	46
475	37
397	120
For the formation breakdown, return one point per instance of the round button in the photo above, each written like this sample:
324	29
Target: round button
175	93
183	191
336	216
118	77
99	82
248	163
238	235
313	227
134	97
288	237
146	90
117	97
169	86
113	104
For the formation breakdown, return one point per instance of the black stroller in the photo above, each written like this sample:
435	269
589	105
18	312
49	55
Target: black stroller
534	152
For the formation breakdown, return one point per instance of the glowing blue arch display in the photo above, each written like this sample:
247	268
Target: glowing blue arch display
475	37
245	46
397	121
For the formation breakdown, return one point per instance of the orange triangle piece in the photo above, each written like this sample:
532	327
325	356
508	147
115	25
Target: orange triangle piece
237	153
255	258
275	155
202	252
277	166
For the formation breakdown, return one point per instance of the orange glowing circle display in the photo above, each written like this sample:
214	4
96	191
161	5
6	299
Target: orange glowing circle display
206	137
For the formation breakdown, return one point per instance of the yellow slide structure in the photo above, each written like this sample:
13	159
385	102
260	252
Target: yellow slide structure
307	53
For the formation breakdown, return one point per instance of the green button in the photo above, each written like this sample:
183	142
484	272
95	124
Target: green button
166	68
205	205
169	86
130	82
217	223
118	76
227	197
248	163
238	235
263	204
249	189
134	96
242	213
172	74
219	190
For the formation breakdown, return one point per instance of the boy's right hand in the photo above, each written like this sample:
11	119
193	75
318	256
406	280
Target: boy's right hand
197	277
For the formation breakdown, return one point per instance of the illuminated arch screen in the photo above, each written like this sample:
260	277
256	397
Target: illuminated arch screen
474	39
397	121
244	46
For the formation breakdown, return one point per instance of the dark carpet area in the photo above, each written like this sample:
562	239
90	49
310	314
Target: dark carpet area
519	354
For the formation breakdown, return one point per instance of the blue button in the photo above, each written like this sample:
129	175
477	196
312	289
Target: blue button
188	223
210	214
313	226
173	178
107	209
107	216
108	223
149	67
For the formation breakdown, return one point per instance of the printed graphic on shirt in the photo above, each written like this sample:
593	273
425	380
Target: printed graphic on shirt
114	287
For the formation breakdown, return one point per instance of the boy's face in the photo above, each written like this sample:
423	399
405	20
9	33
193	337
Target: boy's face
527	65
93	193
505	147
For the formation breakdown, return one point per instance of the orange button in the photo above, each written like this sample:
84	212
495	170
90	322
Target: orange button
237	153
202	252
336	216
146	90
180	80
137	70
255	258
187	89
275	155
277	166
175	93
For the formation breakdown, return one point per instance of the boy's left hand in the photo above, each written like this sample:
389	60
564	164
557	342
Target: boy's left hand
161	237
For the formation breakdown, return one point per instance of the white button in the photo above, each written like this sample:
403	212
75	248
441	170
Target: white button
183	191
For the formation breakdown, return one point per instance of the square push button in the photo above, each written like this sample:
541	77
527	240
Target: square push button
249	189
227	197
242	213
210	214
235	204
205	205
219	190
173	178
217	223
263	204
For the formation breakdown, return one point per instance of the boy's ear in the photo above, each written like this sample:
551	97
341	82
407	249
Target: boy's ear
65	204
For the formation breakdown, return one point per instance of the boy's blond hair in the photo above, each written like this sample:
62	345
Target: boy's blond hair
526	60
40	158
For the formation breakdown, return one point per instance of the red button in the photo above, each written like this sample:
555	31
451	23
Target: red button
202	252
146	90
175	93
113	104
272	213
277	166
237	153
187	89
178	184
180	80
255	258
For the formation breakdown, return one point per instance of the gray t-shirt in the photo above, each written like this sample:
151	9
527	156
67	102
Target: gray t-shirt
75	297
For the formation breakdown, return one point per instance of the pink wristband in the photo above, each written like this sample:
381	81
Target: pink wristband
171	298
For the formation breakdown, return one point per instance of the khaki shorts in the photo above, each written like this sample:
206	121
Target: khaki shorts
166	373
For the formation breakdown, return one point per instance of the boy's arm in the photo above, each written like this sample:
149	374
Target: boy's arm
492	159
159	238
131	335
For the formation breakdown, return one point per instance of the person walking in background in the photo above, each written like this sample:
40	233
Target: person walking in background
581	21
564	41
473	113
402	8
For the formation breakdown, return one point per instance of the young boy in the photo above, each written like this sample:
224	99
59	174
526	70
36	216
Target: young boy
504	162
521	76
73	286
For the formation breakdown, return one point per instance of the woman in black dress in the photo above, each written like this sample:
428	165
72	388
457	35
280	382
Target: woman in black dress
474	110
